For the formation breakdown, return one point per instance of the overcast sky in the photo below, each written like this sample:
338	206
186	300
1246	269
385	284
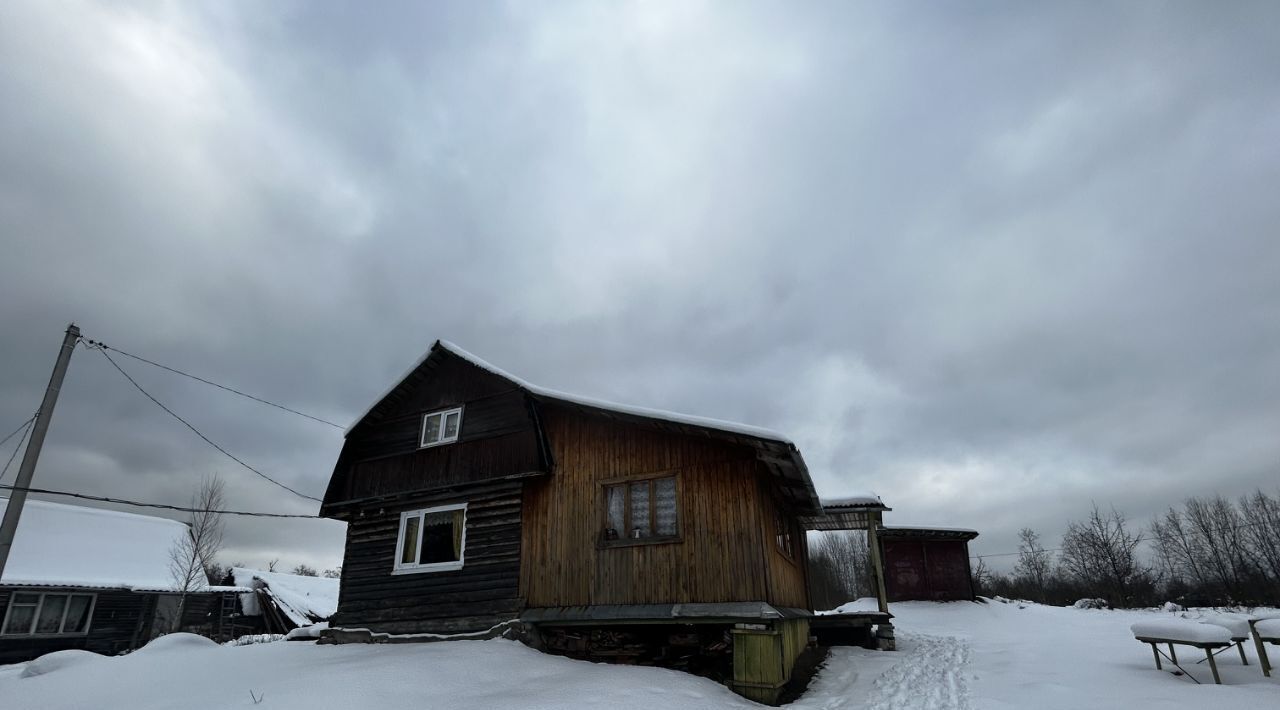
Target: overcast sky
993	261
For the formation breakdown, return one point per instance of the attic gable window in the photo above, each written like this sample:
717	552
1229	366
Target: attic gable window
48	614
441	427
431	539
638	511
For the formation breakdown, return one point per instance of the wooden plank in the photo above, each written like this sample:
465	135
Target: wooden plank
719	555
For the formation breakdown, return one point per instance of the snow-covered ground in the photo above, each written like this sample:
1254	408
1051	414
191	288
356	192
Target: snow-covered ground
951	656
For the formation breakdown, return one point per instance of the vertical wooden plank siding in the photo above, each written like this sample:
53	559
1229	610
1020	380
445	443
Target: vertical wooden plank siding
724	550
787	579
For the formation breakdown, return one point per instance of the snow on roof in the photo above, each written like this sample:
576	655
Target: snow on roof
928	528
305	600
856	500
61	545
705	422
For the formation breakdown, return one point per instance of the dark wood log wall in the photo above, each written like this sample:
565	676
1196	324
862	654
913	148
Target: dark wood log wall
726	551
113	628
498	437
481	594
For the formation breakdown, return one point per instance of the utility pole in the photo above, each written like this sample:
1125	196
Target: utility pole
18	496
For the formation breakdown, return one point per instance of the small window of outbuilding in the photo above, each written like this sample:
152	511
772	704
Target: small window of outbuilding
441	427
47	614
432	539
641	511
786	543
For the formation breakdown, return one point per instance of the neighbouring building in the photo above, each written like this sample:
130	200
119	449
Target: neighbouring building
277	603
927	563
87	578
476	501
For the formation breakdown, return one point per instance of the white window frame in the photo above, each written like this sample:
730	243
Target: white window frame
444	415
415	568
93	603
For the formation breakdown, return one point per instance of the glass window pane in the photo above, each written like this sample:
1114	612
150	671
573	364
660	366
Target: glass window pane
50	621
616	509
640	510
442	537
20	618
431	429
409	551
664	502
77	614
451	425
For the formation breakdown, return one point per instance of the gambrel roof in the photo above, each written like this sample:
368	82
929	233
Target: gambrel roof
776	451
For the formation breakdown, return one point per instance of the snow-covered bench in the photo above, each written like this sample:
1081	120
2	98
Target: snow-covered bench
1237	625
1207	637
1265	631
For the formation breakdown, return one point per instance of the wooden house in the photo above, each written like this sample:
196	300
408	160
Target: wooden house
85	578
929	564
475	499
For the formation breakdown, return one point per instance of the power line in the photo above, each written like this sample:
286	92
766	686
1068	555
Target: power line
207	440
163	506
15	431
26	429
139	358
1140	539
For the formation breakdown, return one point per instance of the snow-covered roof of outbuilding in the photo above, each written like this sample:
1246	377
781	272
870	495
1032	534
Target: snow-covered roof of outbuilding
857	500
305	600
674	417
59	545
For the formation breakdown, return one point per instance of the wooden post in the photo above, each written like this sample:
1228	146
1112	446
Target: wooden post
1156	652
18	495
1213	666
877	559
1173	655
1262	649
764	655
1240	648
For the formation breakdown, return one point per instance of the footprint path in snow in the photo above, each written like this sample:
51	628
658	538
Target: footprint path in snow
930	676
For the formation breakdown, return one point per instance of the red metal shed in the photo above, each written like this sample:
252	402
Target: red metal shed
927	563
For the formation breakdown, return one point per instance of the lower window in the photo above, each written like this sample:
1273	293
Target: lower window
47	614
432	539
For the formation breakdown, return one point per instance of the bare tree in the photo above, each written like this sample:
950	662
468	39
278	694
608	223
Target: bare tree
983	578
1217	525
1221	552
271	565
305	571
1177	549
194	552
1101	553
1034	564
334	572
839	568
1261	535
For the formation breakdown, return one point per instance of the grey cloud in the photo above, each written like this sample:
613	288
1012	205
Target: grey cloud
991	261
